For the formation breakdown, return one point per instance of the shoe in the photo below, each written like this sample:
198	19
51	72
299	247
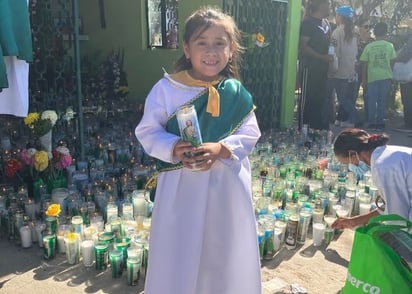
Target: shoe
337	123
380	126
403	129
346	124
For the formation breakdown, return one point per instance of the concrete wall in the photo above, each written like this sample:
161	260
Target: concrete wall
126	28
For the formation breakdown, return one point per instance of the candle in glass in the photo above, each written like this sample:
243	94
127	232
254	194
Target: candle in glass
127	211
87	249
25	236
111	211
30	208
77	224
139	203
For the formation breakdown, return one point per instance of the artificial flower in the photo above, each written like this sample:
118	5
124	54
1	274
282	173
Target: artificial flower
69	115
41	124
41	160
12	166
50	115
63	150
27	156
31	118
53	210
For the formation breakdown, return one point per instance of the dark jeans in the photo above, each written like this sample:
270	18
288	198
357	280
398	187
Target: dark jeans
378	92
406	97
344	92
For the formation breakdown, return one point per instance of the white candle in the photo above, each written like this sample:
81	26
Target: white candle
77	224
25	235
87	248
364	208
88	232
112	212
139	203
29	207
127	211
72	248
61	246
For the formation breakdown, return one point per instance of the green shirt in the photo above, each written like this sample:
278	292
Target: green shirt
378	55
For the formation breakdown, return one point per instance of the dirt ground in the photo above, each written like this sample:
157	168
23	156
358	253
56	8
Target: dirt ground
320	269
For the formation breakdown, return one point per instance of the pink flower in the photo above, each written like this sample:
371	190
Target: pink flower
27	157
66	161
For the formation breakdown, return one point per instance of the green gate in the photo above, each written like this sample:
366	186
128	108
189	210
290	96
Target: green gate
262	67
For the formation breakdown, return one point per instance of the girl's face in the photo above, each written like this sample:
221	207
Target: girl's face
209	53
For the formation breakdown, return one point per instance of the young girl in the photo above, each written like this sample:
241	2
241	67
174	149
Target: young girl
203	235
391	168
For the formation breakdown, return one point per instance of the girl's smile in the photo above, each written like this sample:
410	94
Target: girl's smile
209	53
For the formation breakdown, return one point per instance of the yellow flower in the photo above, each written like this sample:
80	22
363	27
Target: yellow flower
41	160
31	118
53	210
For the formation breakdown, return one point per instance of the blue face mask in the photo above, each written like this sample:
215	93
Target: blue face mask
359	170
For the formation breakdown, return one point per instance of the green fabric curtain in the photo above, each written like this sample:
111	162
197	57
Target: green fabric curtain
15	34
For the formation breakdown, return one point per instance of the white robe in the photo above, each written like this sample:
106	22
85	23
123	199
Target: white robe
203	235
391	168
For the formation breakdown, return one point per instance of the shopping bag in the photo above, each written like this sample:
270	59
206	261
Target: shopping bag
381	257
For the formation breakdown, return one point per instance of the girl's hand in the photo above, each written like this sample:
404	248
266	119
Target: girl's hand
181	150
208	153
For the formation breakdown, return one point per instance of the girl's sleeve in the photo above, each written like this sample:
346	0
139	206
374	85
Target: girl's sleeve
151	132
242	142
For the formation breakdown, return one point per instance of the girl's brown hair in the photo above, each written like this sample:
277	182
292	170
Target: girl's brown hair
199	22
357	140
348	27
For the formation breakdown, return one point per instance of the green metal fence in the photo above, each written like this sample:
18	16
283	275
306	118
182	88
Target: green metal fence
262	67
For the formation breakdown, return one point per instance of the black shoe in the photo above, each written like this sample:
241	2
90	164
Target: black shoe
380	126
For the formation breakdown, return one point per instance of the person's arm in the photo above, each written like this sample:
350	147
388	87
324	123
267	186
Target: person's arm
355	221
364	65
233	148
151	132
364	68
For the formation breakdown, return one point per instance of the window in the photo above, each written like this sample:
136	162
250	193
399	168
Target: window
162	23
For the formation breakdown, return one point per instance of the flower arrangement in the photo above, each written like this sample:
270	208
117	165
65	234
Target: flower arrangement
53	210
34	158
61	159
41	124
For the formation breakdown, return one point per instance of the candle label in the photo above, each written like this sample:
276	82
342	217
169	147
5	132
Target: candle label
189	125
101	254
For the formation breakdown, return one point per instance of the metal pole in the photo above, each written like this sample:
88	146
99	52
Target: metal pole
78	77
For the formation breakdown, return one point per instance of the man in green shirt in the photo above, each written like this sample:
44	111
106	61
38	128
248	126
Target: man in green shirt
377	62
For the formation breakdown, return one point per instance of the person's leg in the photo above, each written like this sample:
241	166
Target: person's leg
406	97
365	102
344	90
373	92
385	88
330	100
315	100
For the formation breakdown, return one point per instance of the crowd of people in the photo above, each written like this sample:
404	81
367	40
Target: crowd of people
336	59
